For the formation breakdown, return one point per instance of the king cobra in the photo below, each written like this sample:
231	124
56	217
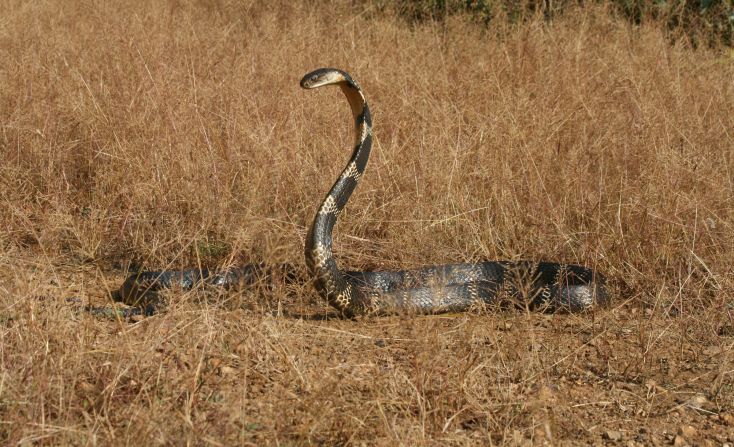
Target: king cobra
433	289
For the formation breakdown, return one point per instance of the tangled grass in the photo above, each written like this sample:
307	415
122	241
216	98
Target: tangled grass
174	134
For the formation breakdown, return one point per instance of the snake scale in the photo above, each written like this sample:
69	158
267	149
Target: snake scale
433	289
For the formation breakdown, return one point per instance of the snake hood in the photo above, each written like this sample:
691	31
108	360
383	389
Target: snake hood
334	76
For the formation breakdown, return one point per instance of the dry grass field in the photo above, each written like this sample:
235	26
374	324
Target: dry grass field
174	134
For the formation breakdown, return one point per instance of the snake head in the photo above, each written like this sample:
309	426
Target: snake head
326	76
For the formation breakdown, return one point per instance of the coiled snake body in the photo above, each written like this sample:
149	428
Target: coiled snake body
434	289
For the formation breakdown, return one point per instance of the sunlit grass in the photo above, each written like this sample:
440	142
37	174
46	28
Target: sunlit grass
170	135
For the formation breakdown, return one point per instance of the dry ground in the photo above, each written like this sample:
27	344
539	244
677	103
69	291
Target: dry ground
174	134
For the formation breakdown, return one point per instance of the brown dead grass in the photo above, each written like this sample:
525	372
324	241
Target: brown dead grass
174	134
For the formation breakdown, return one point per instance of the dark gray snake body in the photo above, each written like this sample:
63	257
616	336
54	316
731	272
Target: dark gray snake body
142	290
433	289
144	287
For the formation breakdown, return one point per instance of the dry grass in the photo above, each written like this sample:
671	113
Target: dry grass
174	134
